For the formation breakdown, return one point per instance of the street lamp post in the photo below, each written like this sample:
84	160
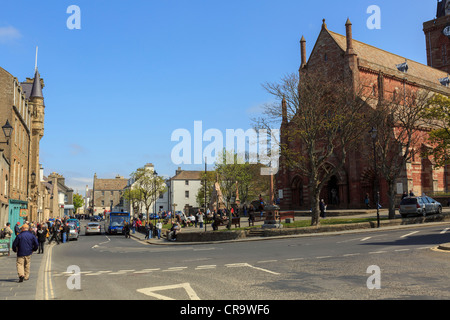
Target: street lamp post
374	133
155	175
7	131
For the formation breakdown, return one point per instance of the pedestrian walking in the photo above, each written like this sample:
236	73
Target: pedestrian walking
367	201
149	230
24	245
64	232
126	229
200	219
323	208
159	228
17	228
41	236
7	231
55	233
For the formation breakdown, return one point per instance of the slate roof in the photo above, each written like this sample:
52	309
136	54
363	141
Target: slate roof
36	90
378	59
188	175
110	184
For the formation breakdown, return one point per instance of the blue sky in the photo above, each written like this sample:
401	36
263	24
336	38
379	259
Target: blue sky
138	70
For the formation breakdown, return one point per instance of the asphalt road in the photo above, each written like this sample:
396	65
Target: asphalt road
400	262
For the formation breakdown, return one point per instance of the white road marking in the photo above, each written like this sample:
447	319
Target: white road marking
175	269
295	259
445	230
377	252
351	254
151	291
267	261
409	234
324	257
365	239
400	250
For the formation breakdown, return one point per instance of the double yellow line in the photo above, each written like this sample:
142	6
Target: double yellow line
48	286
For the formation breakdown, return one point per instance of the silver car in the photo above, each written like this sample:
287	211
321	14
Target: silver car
93	228
73	232
421	206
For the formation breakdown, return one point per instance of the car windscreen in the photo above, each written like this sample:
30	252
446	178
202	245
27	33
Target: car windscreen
408	201
93	224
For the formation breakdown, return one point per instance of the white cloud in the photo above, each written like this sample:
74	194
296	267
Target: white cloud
8	34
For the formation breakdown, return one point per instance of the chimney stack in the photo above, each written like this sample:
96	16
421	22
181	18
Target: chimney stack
349	35
303	52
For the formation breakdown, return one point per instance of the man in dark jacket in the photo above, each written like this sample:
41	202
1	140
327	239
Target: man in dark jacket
24	245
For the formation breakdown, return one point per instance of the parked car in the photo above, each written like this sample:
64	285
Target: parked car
419	206
93	228
75	222
73	231
96	218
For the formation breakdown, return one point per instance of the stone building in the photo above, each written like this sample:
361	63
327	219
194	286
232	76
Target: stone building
4	185
22	105
386	73
107	194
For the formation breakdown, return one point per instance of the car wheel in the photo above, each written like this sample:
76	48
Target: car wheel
439	210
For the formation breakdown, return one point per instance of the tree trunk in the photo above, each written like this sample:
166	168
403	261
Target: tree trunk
315	199
391	194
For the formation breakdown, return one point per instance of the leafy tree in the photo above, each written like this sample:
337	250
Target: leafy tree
78	202
146	188
438	114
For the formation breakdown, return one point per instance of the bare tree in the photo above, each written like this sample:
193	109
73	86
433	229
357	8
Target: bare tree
325	119
400	127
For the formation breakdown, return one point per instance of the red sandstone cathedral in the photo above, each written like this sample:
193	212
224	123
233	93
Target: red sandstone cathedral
385	72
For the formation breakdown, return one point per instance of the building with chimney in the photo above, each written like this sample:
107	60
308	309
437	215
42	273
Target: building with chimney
107	194
386	74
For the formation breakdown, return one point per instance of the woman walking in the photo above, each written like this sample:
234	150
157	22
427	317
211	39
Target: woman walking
41	235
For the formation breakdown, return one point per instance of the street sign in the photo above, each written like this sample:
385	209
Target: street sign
4	246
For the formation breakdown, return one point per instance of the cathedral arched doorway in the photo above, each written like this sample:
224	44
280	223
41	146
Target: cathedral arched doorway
333	191
297	193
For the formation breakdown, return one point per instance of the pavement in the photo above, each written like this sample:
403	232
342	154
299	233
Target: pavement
300	215
11	289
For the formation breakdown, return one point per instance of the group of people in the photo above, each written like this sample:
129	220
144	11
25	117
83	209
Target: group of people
31	237
148	227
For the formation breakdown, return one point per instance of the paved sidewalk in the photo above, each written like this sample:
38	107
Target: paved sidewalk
301	215
10	288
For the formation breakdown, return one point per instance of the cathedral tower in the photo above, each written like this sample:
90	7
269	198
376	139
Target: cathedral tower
437	35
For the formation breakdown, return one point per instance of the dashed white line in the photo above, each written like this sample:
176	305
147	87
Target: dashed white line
400	250
267	261
365	239
409	234
351	254
377	252
445	230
